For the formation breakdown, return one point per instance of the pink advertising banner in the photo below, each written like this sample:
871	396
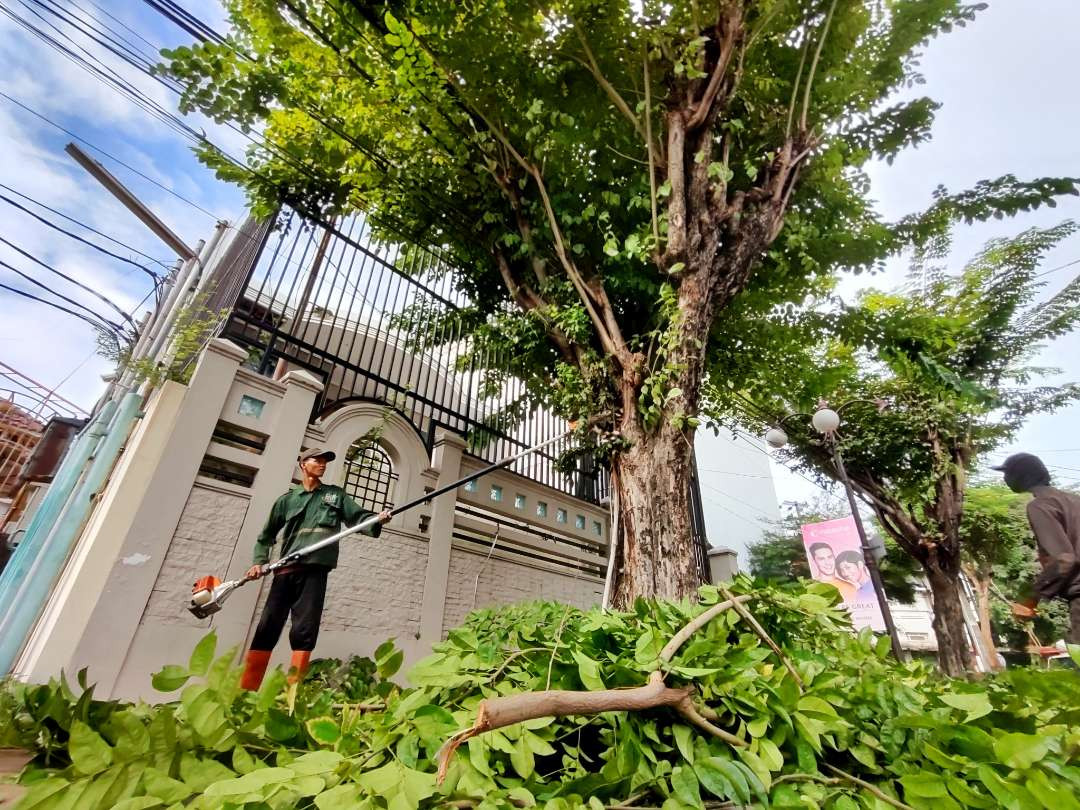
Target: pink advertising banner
836	557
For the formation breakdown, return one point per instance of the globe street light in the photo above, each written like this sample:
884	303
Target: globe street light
826	421
776	438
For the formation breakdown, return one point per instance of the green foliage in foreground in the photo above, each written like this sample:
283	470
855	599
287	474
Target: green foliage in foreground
898	735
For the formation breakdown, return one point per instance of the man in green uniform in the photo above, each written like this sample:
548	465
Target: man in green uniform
304	515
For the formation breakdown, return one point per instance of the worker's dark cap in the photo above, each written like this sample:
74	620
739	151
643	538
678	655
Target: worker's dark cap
318	452
1019	461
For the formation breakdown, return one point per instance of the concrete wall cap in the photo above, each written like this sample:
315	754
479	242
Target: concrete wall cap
449	437
715	550
254	379
226	348
304	379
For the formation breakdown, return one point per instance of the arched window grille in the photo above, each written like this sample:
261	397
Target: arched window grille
369	475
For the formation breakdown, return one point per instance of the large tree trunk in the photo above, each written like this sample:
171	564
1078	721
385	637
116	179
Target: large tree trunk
651	480
943	573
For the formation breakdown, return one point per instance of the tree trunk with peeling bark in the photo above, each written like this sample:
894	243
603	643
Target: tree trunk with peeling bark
655	553
943	574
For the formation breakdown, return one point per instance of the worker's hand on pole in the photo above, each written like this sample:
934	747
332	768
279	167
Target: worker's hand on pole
385	515
255	572
1022	611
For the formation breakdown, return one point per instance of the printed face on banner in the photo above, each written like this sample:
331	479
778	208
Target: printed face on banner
836	557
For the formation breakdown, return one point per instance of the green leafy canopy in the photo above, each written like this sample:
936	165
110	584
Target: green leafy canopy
583	161
949	357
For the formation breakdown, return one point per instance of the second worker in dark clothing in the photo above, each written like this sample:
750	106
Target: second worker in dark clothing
303	515
1054	516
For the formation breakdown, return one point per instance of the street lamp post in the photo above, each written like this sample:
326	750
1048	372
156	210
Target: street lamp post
826	421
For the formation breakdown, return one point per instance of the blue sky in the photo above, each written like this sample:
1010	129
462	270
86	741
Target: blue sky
1005	110
1007	86
40	342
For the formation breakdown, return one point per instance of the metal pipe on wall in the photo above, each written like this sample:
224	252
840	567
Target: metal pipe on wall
171	306
27	581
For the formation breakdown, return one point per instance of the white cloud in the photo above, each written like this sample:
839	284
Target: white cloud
1004	111
38	340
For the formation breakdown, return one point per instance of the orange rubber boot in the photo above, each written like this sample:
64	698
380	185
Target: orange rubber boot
299	667
255	663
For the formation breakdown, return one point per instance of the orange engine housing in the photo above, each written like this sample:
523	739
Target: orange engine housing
205	584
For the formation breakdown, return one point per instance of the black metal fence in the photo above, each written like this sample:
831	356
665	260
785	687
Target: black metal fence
335	302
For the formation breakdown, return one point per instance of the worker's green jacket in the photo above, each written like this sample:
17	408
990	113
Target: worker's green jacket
307	517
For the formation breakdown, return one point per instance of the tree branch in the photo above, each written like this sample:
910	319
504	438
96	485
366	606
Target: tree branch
885	797
524	226
528	301
652	157
495	713
813	66
606	328
686	710
609	88
612	342
748	617
696	624
732	29
795	87
676	172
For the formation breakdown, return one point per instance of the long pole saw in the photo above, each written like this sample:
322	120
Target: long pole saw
209	593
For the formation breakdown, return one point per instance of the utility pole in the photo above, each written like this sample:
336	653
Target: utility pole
868	556
130	201
825	421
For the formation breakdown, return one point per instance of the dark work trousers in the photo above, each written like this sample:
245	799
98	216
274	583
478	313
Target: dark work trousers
1073	636
299	591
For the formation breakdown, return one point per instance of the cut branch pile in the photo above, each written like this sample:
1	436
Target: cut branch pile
757	696
511	709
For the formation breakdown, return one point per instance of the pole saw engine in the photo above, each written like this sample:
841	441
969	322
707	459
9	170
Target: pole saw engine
204	600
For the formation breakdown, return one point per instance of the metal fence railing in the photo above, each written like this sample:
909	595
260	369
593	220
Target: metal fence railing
379	321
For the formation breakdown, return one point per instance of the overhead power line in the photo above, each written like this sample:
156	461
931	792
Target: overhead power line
102	322
95	67
123	25
78	238
119	162
69	279
41	300
78	222
204	33
764	515
111	157
1059	267
106	74
755	523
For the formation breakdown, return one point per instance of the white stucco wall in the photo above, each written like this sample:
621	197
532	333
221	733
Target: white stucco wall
737	492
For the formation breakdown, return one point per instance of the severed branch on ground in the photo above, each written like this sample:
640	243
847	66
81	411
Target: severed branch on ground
500	712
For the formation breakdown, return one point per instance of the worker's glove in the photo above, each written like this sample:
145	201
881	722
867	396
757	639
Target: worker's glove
1023	612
